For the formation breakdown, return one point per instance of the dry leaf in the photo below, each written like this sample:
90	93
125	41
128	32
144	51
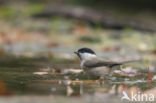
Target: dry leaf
80	29
40	73
57	70
129	69
115	48
154	77
3	90
76	71
52	44
69	90
149	76
122	88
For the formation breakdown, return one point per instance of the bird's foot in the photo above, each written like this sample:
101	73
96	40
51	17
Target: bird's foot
101	80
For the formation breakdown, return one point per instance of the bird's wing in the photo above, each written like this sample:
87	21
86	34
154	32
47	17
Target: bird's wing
99	63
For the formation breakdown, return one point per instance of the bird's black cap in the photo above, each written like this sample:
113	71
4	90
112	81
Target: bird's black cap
85	50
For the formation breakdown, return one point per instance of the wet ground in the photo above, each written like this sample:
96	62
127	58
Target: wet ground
41	76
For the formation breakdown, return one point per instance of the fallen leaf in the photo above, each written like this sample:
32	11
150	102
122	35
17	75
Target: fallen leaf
40	73
69	82
154	77
52	44
122	88
3	90
69	90
1	51
149	76
129	72
80	29
57	70
115	48
129	69
76	71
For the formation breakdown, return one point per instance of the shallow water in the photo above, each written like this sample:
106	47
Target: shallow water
25	76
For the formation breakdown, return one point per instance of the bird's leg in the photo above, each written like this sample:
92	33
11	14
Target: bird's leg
101	80
111	73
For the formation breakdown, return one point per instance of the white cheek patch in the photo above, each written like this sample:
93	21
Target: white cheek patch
85	56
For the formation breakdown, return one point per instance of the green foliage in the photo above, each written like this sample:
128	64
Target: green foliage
33	9
89	39
7	13
60	24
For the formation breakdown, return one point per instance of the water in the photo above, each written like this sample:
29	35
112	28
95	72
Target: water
36	76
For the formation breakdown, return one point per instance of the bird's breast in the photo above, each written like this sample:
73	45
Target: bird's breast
98	71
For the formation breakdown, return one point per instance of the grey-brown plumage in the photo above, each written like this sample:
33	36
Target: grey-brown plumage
94	66
99	67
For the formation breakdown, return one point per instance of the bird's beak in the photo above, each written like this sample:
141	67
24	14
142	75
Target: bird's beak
76	52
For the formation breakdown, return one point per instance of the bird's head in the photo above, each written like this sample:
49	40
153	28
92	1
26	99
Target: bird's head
85	53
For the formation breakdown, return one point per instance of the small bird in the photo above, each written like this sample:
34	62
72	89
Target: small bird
95	66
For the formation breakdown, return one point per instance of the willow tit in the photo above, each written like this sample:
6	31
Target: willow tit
95	66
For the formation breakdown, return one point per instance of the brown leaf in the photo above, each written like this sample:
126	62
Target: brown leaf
52	44
69	90
3	90
75	71
80	29
122	88
149	76
40	73
115	48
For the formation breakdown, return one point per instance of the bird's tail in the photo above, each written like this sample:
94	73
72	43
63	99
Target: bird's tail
125	62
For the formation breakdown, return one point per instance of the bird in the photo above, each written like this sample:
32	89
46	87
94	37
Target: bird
93	65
